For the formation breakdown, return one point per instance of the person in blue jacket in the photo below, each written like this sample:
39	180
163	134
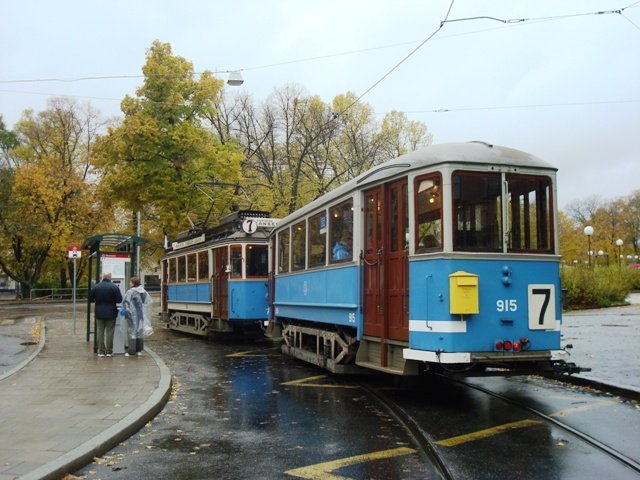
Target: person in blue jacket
342	249
106	296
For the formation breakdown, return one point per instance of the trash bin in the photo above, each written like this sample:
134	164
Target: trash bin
120	335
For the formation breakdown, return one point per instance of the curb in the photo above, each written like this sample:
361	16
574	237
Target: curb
35	353
614	389
105	441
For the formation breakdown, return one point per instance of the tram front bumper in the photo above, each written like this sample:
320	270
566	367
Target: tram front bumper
484	357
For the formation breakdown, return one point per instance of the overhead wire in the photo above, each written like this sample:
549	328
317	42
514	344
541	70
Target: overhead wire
513	107
508	22
389	72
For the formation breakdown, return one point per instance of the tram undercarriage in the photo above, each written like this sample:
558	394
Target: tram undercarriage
206	326
338	351
331	350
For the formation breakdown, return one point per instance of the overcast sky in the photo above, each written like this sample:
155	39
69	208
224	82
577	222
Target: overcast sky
561	85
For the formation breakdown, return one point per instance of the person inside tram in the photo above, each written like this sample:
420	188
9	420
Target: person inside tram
342	248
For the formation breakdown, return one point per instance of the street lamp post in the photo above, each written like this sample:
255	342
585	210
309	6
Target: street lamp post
619	243
588	231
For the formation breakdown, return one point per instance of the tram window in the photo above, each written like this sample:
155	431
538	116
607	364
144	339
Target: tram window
341	232
203	265
399	226
192	265
257	260
182	269
529	213
298	246
173	275
283	251
477	206
428	213
236	261
318	240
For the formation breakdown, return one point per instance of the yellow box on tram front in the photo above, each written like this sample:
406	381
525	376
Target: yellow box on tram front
463	293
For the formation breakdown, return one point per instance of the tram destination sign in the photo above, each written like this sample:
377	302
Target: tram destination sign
187	243
250	225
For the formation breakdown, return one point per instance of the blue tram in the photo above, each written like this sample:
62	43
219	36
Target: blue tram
216	280
444	259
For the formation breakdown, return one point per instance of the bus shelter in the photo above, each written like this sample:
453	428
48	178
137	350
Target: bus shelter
115	253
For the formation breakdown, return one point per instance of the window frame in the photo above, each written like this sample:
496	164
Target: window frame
416	208
232	274
478	234
250	248
548	204
303	226
331	237
310	244
279	267
192	267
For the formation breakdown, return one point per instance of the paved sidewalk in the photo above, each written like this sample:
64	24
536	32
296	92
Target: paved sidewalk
63	406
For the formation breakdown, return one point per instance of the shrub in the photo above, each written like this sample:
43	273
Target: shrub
596	287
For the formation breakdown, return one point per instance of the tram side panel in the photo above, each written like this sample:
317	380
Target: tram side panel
324	296
319	312
190	307
248	300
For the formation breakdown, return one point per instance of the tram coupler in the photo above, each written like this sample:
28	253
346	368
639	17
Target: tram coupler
561	367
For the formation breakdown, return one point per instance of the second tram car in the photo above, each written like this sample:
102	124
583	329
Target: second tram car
443	259
216	280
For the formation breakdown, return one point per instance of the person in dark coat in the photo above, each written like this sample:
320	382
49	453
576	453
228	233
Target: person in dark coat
106	296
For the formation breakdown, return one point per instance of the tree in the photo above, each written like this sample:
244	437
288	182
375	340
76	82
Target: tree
151	160
296	147
8	141
631	216
46	199
573	247
611	220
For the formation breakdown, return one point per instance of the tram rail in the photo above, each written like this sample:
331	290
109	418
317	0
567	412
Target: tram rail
417	432
620	457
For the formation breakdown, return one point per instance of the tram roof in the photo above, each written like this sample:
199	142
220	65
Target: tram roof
470	153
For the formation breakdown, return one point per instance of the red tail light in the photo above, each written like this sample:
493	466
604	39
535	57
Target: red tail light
507	344
516	346
499	345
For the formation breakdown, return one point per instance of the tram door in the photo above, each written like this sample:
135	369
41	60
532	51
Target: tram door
397	266
386	262
373	263
219	282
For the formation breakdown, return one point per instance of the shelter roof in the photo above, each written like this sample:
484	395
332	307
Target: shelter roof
112	242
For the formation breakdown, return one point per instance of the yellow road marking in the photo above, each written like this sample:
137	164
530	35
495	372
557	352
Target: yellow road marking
305	382
488	432
581	408
250	353
322	471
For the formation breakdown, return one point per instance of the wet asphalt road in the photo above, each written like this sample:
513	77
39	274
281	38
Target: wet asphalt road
244	411
483	437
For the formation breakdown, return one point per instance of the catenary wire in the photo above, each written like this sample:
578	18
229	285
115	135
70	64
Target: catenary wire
507	22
